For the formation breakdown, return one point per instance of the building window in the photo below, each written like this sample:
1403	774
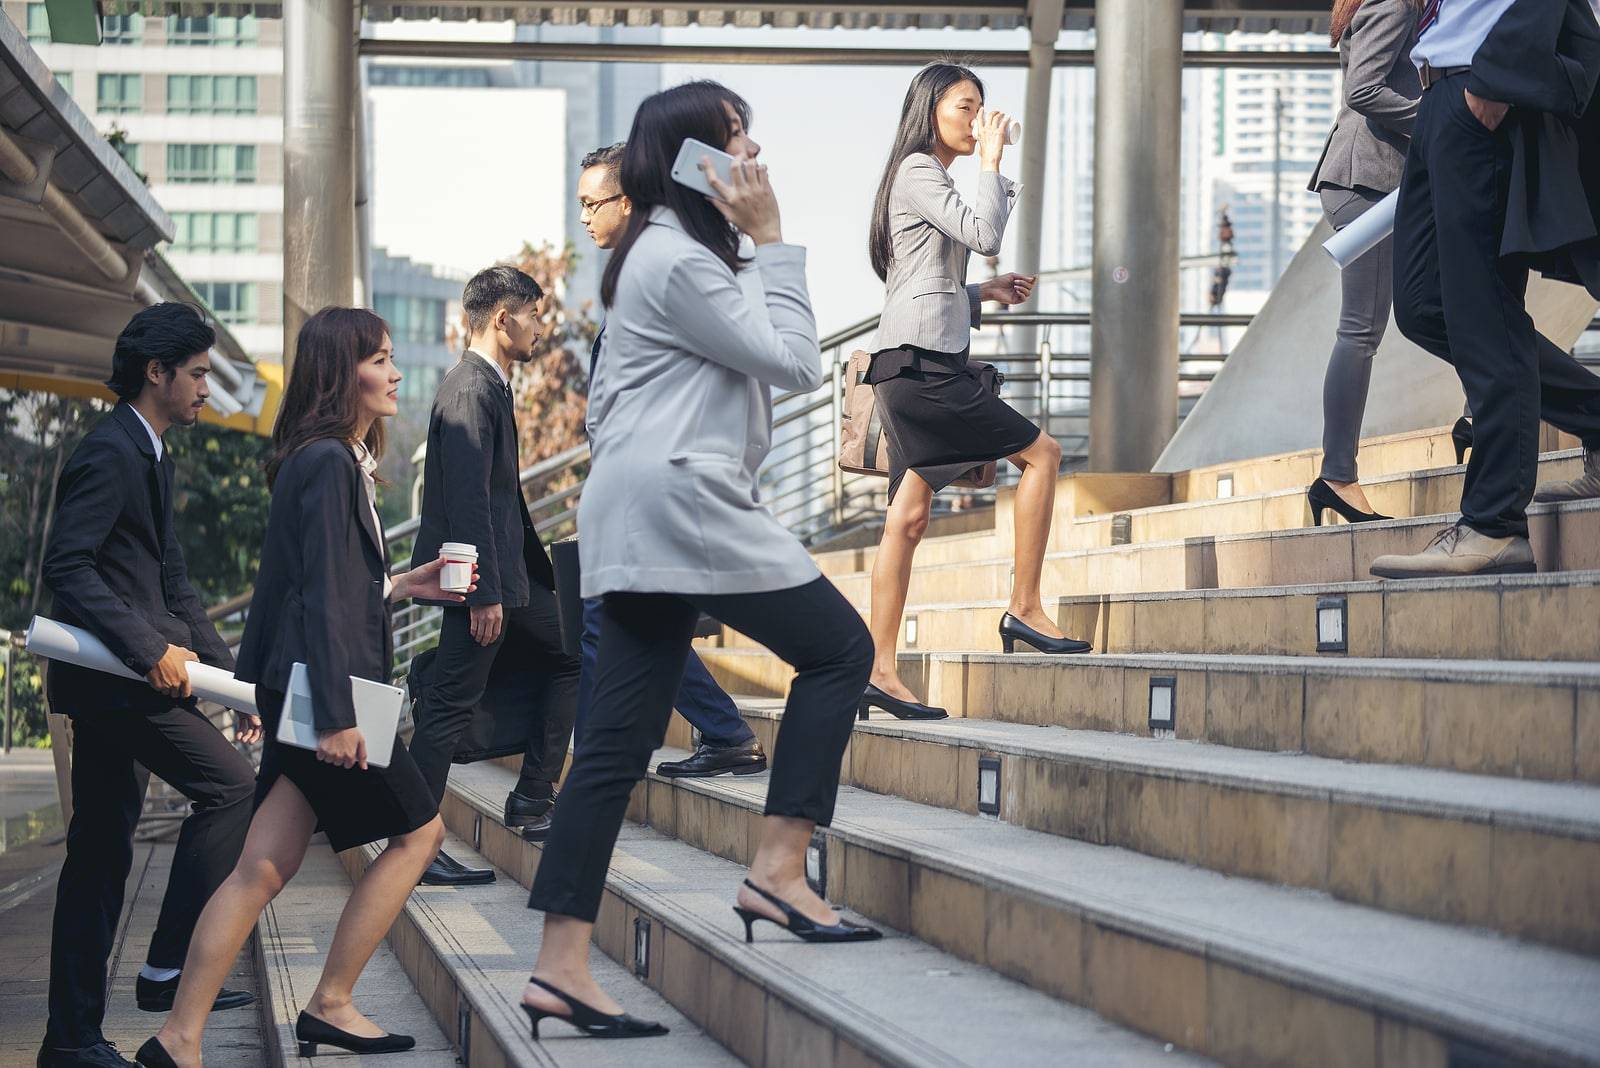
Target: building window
418	385
121	29
214	231
211	30
64	79
230	302
219	164
38	25
120	93
211	94
132	154
379	74
411	318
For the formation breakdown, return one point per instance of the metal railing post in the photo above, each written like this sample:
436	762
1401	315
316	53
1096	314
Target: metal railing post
837	385
1044	386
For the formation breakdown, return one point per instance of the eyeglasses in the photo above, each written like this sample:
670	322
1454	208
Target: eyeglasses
589	207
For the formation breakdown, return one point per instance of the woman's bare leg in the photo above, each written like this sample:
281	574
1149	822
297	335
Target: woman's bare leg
779	868
273	848
377	899
1033	510
564	964
903	528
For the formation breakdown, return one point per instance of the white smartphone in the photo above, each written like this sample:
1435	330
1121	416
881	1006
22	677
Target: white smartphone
686	169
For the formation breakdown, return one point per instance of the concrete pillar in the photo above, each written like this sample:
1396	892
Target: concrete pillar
1133	406
1044	21
319	125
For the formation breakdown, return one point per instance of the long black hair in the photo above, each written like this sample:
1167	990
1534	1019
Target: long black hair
918	132
697	109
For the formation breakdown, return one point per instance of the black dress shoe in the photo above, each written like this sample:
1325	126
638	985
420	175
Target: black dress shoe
876	698
153	996
313	1031
1014	630
448	871
747	758
99	1055
522	810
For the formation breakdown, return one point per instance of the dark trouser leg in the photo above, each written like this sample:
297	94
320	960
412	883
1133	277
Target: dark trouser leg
589	642
816	630
709	708
646	638
182	747
536	632
107	794
1366	291
460	674
1464	303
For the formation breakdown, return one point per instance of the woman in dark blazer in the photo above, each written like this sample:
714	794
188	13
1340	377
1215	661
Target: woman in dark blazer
1360	165
938	417
321	598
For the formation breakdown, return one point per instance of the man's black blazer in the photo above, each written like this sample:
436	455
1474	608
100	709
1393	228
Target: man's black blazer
472	490
1543	58
319	594
115	568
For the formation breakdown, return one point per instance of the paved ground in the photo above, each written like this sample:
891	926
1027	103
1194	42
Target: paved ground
27	796
27	898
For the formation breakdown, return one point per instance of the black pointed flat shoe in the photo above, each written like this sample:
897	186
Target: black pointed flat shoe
1014	630
154	1055
802	926
591	1021
313	1031
876	698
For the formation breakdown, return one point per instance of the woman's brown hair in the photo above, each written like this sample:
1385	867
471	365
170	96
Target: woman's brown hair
322	398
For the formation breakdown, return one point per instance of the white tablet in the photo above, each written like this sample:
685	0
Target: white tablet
377	714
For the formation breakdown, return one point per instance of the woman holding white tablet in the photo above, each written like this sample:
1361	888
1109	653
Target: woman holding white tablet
321	599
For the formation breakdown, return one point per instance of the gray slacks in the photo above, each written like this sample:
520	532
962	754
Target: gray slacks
1367	288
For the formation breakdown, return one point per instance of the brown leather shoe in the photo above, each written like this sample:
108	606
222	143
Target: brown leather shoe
1582	488
1459	551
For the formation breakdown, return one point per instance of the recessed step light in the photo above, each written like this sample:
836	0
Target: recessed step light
989	785
641	947
1333	618
1163	703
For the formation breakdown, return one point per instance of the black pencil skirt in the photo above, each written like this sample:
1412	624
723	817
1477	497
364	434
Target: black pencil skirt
938	418
353	807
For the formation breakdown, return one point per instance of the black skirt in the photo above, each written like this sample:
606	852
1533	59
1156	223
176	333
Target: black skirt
353	807
938	419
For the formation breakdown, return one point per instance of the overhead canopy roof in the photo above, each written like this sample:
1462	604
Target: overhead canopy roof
78	236
1290	16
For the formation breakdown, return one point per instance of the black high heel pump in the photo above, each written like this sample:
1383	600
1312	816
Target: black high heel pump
154	1055
1461	437
1014	630
1322	497
801	926
313	1031
895	707
589	1020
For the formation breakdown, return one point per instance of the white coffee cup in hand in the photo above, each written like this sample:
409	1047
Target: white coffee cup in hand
459	561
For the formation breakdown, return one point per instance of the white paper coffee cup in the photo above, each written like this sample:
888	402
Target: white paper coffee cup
459	558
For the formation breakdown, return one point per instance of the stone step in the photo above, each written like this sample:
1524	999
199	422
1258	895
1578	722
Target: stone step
1516	856
783	1002
1565	537
1509	718
471	949
1510	617
294	934
1235	969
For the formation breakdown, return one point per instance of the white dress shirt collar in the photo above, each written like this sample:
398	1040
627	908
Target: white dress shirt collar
504	381
155	439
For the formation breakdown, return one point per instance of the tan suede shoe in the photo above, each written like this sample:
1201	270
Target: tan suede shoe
1582	488
1460	550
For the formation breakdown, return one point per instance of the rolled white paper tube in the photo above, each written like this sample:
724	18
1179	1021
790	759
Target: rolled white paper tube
1361	235
73	645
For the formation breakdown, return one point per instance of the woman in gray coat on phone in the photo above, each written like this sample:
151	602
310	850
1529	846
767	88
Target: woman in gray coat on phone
1361	163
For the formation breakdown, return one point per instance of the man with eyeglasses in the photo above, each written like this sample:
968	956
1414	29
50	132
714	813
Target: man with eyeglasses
727	744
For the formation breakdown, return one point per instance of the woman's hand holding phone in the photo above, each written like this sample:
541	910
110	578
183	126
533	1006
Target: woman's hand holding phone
747	200
992	126
345	748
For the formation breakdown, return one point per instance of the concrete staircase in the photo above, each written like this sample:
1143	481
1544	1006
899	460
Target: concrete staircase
1230	835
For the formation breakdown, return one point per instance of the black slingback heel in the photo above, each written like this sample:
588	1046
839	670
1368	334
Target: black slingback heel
591	1021
801	926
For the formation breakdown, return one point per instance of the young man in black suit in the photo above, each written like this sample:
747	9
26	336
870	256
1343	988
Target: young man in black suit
1502	176
472	493
115	568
